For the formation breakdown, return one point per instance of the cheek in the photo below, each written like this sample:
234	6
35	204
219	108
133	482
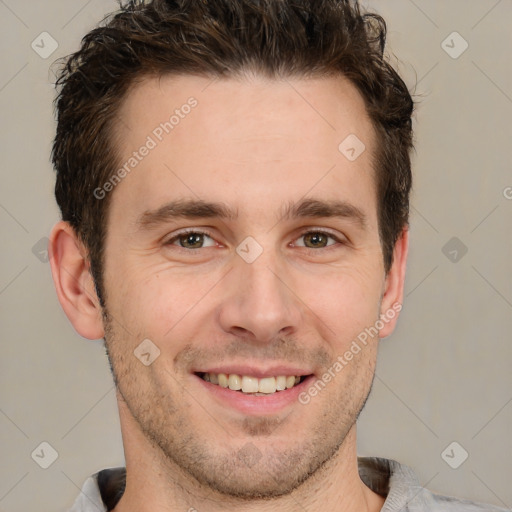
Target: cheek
158	303
345	301
136	300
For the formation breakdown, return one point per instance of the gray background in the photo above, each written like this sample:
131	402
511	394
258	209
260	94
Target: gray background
444	375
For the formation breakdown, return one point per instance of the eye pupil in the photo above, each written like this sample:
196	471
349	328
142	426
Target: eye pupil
315	239
196	240
192	240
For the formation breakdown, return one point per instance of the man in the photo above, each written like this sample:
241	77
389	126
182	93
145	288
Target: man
233	178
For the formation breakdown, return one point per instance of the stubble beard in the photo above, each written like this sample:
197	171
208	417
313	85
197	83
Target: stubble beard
251	467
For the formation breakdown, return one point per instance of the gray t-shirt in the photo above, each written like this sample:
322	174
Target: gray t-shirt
398	483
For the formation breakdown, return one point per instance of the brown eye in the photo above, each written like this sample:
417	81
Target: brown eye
192	240
316	240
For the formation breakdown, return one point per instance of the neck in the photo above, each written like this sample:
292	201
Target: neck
153	483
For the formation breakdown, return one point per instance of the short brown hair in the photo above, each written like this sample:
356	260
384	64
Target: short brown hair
222	38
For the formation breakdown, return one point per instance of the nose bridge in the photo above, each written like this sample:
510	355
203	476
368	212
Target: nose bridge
260	301
263	282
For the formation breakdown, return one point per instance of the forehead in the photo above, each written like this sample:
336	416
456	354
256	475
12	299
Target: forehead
325	104
234	139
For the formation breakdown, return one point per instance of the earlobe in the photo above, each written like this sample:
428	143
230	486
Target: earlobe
73	281
394	285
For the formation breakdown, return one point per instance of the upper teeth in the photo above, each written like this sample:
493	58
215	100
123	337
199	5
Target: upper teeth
249	384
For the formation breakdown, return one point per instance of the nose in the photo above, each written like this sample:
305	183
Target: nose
259	303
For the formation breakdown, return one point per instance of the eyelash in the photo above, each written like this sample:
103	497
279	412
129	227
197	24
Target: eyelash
171	241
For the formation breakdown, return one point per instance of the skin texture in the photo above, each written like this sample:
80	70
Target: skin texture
256	146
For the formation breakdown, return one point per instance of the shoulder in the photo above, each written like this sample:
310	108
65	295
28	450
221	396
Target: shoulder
403	492
89	499
101	491
441	503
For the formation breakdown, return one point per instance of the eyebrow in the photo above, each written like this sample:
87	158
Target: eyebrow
199	209
316	208
187	209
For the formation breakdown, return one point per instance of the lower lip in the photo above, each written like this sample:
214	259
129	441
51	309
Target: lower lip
256	405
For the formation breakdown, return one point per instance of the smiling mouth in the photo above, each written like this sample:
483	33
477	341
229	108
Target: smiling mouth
252	385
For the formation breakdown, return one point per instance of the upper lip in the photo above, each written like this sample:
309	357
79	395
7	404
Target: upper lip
252	371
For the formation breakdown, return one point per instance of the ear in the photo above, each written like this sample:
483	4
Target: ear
73	281
393	294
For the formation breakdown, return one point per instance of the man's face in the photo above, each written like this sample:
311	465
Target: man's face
265	155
